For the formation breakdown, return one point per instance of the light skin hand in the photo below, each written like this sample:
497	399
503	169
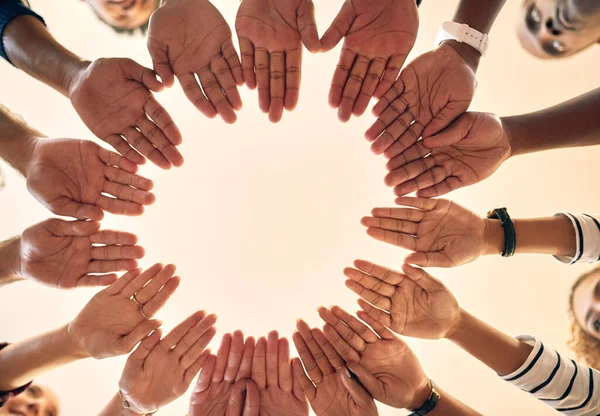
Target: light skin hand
222	383
271	34
430	93
113	98
160	370
67	254
70	176
411	303
324	378
440	232
378	36
383	363
188	38
280	394
468	151
112	323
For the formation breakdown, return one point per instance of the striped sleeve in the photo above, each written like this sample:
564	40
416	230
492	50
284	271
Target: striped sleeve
570	388
10	9
587	236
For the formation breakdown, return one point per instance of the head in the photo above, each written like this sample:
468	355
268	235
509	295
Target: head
35	401
559	28
584	311
125	16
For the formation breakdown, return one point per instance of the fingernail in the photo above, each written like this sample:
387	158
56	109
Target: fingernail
347	372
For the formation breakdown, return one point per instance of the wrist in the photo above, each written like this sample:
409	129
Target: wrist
469	54
422	394
73	75
462	328
72	343
493	237
508	128
10	258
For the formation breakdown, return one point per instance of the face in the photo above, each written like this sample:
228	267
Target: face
35	401
558	28
586	305
126	14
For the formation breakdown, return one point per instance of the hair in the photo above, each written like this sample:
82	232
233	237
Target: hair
585	346
587	6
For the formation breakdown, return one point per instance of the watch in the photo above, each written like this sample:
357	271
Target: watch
429	404
463	33
510	235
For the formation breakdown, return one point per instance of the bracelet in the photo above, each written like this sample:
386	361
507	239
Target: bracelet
127	405
510	235
429	404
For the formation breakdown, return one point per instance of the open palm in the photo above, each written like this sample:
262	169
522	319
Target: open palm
70	177
430	93
271	33
112	96
189	37
378	36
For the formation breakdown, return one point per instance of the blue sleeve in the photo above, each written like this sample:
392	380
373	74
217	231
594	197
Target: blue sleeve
9	9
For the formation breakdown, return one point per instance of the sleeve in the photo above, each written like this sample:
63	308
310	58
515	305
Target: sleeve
570	388
9	9
5	395
587	236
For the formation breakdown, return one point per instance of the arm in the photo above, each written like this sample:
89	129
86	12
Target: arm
9	261
115	408
17	140
570	124
449	406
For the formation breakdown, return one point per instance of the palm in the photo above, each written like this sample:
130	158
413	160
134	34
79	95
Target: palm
333	399
212	401
275	402
269	24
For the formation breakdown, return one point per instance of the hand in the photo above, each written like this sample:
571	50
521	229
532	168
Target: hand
189	37
271	33
383	363
160	370
412	304
439	231
272	373
224	381
69	177
471	149
113	98
67	254
379	35
432	91
113	322
327	383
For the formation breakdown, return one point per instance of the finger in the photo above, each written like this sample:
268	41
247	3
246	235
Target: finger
233	61
393	133
307	26
405	241
263	79
225	90
401	214
286	382
245	370
123	147
293	76
297	387
372	77
342	348
374	298
415	152
115	160
302	379
379	329
162	297
237	397
122	282
222	354
96	280
405	141
340	76
393	94
355	325
422	278
384	273
445	117
139	280
339	27
117	252
370	282
194	94
277	85
160	61
406	227
388	112
272	359
129	194
204	332
144	75
447	185
353	86
316	351
177	333
165	123
146	346
106	266
312	369
111	237
195	368
252	403
206	374
394	64
62	228
334	358
69	208
419	203
368	382
259	365
247	53
410	171
139	333
451	135
348	335
142	144
151	129
119	207
236	353
123	177
152	287
434	259
377	314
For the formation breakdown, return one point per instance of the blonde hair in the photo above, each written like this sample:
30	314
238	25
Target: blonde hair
585	346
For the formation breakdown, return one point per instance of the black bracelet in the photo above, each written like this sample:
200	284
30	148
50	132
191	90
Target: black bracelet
429	404
510	235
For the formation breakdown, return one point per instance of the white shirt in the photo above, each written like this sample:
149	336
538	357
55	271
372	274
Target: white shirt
587	235
570	388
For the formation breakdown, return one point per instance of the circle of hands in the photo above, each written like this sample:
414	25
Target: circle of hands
433	146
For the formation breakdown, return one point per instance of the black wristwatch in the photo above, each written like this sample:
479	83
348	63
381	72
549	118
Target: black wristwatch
510	236
429	404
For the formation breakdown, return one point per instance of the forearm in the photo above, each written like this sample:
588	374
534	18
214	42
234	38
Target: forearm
115	408
449	406
23	361
10	261
31	47
500	352
17	140
573	123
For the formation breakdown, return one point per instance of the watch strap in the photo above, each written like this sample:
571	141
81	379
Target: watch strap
464	34
429	404
510	235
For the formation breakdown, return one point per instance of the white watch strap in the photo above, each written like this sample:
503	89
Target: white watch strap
463	33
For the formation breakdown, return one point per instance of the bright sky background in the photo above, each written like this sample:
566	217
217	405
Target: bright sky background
262	218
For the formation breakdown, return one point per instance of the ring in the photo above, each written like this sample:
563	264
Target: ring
133	298
142	312
363	348
318	380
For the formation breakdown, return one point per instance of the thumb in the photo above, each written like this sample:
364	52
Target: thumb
65	206
159	53
252	405
236	399
443	130
339	28
423	279
137	357
356	389
141	74
308	26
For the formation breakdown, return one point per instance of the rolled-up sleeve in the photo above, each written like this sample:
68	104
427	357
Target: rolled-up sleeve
5	395
9	9
587	236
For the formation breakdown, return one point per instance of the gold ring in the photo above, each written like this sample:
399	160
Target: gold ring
133	298
318	380
142	312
